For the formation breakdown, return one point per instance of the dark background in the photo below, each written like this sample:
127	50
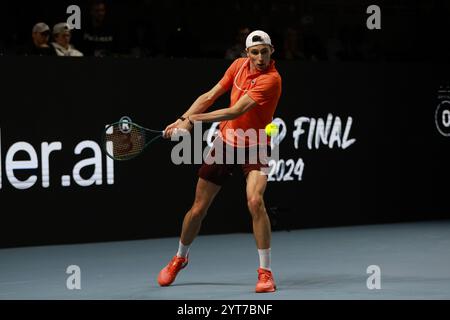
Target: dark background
395	171
386	80
326	30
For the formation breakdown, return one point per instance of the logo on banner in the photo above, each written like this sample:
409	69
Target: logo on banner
442	114
313	133
25	165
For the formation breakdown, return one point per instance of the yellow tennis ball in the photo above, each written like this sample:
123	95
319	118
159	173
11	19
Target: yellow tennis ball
271	129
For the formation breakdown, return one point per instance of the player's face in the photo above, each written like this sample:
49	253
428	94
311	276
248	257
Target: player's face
260	56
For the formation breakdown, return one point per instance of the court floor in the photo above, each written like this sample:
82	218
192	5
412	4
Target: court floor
327	263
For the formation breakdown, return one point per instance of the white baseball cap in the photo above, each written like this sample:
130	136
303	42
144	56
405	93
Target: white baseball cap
61	27
257	37
40	27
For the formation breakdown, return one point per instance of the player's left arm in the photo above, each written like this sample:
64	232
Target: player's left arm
244	104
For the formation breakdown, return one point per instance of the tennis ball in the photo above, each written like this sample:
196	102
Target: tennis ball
271	129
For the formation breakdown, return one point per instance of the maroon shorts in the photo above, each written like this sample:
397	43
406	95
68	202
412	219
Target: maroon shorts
247	159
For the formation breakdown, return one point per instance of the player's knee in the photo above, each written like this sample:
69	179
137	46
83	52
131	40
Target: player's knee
198	211
255	204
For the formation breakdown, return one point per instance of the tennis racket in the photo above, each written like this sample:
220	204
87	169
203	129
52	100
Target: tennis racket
125	140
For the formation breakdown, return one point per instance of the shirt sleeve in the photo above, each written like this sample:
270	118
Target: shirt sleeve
265	90
227	80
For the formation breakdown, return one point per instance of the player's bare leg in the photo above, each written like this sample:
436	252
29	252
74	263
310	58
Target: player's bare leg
204	195
256	185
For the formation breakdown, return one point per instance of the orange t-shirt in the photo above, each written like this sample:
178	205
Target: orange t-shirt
264	88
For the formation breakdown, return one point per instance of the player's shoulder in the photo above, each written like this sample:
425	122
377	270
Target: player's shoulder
240	61
236	64
274	73
276	76
272	76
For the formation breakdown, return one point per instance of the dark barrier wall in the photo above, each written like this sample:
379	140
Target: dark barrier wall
362	144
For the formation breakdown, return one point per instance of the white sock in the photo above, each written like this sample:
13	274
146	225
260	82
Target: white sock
182	250
264	258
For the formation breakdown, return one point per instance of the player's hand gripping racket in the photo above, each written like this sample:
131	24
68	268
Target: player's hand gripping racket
125	140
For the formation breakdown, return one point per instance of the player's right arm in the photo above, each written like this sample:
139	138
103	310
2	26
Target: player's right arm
200	105
203	102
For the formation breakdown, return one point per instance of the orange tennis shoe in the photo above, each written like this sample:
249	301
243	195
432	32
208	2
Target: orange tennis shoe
168	274
265	281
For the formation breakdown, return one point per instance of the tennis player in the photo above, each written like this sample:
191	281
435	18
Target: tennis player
255	90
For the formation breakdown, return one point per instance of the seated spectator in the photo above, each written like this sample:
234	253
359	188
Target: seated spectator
40	35
98	35
335	48
292	44
313	48
62	46
237	50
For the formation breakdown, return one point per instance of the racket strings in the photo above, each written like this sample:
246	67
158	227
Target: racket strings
126	142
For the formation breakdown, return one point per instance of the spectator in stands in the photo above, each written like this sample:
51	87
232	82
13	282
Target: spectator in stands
98	35
237	50
62	46
142	39
292	45
335	47
40	35
313	48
